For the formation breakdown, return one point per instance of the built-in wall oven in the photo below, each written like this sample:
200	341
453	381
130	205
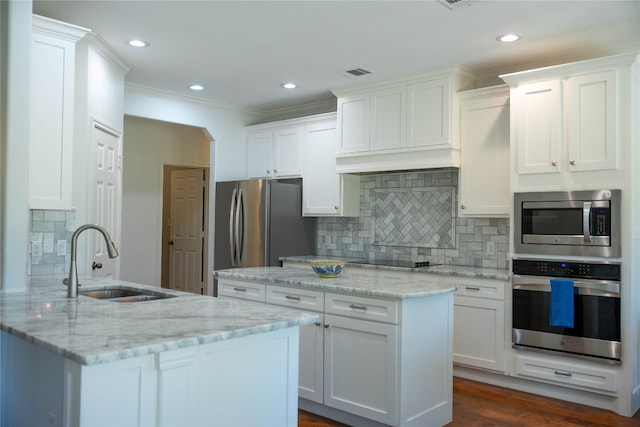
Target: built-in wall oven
566	273
587	324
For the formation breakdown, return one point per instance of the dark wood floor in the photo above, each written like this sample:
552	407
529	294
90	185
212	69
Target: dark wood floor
476	404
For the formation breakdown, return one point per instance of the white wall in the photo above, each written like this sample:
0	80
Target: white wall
15	30
148	146
225	127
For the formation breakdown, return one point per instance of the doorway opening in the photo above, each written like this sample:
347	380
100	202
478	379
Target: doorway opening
185	229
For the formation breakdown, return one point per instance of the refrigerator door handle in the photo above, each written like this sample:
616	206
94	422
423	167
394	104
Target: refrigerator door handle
240	209
232	245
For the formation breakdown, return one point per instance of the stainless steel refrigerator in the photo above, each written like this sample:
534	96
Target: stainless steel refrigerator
258	221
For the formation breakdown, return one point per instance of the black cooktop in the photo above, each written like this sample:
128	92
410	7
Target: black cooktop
392	262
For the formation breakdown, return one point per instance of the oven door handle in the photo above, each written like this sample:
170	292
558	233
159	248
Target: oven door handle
591	287
586	223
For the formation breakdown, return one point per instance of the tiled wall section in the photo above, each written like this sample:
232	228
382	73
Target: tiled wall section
50	241
413	217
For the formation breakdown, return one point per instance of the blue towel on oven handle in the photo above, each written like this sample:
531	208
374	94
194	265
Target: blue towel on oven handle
562	308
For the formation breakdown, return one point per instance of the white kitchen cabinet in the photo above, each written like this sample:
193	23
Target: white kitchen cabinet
484	153
52	113
353	123
274	152
373	358
480	329
567	130
361	369
324	191
405	124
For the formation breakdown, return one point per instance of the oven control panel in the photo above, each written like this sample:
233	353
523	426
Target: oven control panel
582	270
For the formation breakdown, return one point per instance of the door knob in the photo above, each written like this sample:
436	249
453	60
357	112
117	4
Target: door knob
96	265
171	242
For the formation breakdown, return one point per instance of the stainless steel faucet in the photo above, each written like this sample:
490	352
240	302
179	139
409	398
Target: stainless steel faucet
72	280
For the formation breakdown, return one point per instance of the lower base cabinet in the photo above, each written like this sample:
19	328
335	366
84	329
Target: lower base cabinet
245	381
384	361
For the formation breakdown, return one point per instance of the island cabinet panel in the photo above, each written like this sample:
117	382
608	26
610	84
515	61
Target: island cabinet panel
361	369
222	383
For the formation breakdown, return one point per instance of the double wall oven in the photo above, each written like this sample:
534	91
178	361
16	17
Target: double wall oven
566	273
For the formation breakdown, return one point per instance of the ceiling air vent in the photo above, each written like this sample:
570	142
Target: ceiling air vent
358	72
450	4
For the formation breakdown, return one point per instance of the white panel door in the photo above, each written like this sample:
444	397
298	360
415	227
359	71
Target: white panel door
107	198
428	114
186	230
539	127
592	124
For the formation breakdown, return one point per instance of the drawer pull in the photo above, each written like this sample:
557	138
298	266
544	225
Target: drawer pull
326	326
472	288
358	307
292	297
240	289
564	374
318	324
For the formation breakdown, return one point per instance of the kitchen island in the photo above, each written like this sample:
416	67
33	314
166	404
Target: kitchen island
182	360
382	352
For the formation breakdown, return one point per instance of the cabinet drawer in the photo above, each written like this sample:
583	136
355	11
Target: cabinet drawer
481	288
242	290
567	374
296	298
361	308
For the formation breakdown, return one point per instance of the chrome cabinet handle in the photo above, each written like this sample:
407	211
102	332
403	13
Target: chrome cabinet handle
472	288
240	289
292	297
564	374
554	163
326	326
572	162
358	307
463	207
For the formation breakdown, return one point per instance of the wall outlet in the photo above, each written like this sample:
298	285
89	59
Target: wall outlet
61	247
491	248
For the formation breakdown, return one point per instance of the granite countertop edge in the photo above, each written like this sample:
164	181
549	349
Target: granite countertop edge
90	331
445	269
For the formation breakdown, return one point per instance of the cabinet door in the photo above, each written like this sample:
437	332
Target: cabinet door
484	158
288	152
591	106
321	183
259	155
478	338
51	139
428	118
539	127
360	367
353	123
388	119
311	362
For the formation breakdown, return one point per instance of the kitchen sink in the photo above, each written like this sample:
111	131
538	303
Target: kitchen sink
124	295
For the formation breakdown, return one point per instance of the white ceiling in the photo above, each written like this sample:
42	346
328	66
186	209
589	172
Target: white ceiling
242	50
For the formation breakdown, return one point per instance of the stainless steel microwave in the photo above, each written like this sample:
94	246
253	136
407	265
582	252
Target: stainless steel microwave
575	223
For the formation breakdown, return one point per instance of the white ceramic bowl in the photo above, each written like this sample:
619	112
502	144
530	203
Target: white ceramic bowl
327	267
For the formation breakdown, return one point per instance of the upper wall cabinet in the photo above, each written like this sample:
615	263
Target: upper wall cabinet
404	124
567	128
52	113
274	151
484	150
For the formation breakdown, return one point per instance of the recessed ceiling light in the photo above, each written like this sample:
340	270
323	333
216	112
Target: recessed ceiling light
196	87
138	43
288	85
508	38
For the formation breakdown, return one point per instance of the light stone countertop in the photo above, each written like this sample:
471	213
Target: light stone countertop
450	270
350	281
91	331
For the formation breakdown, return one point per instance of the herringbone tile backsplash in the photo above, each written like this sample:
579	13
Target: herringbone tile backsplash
413	217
